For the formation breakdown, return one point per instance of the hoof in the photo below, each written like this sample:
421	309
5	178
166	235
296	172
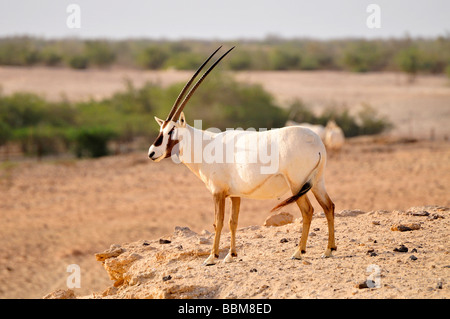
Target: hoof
327	254
297	255
229	258
210	261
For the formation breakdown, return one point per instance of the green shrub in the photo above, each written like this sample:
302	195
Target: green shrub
182	61
283	59
40	140
92	142
153	57
447	70
79	62
370	122
408	61
300	113
240	61
364	56
100	53
5	132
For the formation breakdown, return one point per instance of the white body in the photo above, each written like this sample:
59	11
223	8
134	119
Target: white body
298	154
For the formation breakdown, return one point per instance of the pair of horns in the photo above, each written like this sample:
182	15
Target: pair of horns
177	108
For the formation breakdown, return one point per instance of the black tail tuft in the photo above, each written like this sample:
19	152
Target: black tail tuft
305	188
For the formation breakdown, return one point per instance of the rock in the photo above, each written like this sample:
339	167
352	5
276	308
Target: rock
418	213
116	267
113	251
166	278
61	294
284	240
401	249
365	284
406	227
203	241
371	252
184	232
350	212
279	219
412	257
164	241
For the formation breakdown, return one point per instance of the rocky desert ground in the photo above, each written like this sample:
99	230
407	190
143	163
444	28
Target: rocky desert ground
60	212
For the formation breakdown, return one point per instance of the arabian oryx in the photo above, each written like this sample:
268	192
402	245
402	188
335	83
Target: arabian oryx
300	159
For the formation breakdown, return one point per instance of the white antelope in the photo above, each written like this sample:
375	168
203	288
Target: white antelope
300	163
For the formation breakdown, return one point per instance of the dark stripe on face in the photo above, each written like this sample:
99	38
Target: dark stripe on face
159	139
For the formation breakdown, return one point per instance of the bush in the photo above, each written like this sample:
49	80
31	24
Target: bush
408	61
79	62
153	58
300	113
370	122
282	59
447	70
99	53
5	132
92	142
364	56
240	61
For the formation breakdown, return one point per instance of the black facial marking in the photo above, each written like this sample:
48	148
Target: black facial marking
159	140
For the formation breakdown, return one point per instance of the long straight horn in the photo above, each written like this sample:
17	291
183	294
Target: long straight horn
188	84
191	92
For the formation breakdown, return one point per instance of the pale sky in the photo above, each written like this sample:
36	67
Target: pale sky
225	19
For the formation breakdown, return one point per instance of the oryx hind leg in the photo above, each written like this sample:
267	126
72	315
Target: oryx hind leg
235	204
327	204
307	212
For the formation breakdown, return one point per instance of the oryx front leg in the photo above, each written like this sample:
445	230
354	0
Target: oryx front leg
219	203
235	204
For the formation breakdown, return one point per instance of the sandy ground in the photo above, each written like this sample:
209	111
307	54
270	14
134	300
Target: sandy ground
416	109
58	213
372	261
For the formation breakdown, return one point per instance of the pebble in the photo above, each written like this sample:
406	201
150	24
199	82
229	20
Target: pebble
412	257
284	240
421	213
165	278
365	284
164	241
401	249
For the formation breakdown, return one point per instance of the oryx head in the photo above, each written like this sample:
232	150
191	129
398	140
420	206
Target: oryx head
167	138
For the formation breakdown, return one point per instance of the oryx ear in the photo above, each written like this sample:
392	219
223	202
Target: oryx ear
182	120
160	122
